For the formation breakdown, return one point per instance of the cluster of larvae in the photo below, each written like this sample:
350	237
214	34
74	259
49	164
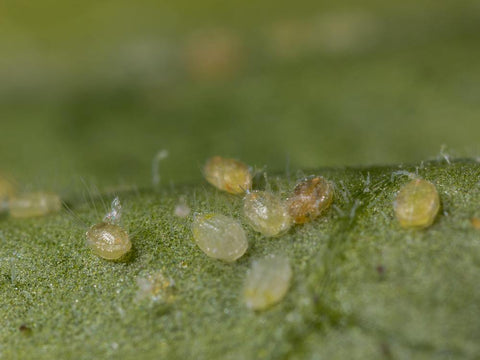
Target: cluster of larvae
28	204
222	237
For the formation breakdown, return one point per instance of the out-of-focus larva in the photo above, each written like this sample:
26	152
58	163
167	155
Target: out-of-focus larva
182	210
219	236
310	198
266	213
475	222
7	189
34	204
108	239
213	54
417	204
267	282
228	175
155	287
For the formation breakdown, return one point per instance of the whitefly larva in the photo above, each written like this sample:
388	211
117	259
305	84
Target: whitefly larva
34	204
228	175
266	213
310	198
267	282
219	236
108	239
417	204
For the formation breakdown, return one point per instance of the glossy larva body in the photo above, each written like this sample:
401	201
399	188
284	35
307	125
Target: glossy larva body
34	204
267	282
310	198
417	204
266	213
228	175
108	239
219	236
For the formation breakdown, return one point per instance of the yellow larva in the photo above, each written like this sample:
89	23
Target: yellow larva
108	239
310	198
267	282
228	175
266	213
34	204
219	236
417	204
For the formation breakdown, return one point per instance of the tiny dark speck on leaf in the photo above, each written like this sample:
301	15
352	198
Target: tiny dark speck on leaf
381	271
25	330
386	352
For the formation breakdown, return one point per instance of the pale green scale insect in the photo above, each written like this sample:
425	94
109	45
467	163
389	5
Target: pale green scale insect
267	282
34	204
108	239
417	204
266	213
219	236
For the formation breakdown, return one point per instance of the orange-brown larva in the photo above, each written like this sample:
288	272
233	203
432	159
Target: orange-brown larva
417	204
228	175
310	198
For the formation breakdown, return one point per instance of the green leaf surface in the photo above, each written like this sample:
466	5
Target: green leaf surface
363	288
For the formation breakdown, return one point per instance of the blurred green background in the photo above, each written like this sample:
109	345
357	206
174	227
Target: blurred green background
96	88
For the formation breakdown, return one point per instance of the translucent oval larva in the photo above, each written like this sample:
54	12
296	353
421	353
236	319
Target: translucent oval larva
266	213
417	204
34	204
267	282
228	175
108	241
219	236
310	198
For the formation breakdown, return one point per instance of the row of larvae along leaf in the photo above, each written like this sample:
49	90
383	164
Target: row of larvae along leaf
267	282
224	238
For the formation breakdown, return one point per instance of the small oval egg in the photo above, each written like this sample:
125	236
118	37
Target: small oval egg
417	204
34	204
219	236
267	282
228	175
310	198
266	213
108	241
